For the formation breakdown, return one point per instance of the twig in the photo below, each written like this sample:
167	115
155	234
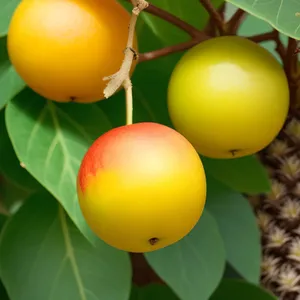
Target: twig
129	101
268	36
167	50
291	60
271	36
291	67
234	23
172	19
215	15
210	28
122	76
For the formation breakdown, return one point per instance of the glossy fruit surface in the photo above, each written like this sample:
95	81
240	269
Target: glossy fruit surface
229	97
63	48
141	187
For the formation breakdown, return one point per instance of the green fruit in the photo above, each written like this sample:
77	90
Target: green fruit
228	96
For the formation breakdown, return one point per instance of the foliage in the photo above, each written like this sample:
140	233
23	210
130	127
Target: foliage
47	251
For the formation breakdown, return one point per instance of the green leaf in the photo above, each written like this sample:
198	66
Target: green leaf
281	14
245	174
235	289
192	267
50	140
10	82
44	256
238	227
153	292
9	163
3	294
7	8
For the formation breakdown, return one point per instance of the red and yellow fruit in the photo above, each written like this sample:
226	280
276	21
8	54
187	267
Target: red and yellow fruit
229	97
141	187
63	48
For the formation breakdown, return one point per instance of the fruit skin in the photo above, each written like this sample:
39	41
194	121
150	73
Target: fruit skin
139	182
228	93
63	48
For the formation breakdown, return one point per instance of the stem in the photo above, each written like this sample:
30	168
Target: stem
268	36
234	23
129	101
168	50
291	60
290	67
117	80
170	18
215	15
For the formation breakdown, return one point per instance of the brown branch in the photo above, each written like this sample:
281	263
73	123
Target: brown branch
291	68
167	50
210	28
215	15
234	23
291	60
168	17
270	36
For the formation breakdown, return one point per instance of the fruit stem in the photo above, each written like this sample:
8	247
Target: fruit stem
117	80
129	101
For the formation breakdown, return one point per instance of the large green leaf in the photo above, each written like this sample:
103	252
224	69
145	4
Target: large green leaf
281	14
51	140
7	7
238	227
192	267
44	256
235	289
9	163
10	82
153	292
245	174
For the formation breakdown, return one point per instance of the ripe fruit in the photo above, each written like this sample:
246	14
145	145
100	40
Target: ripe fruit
141	187
63	48
229	97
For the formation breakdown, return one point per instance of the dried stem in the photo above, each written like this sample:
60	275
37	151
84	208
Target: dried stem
234	23
129	101
215	15
122	77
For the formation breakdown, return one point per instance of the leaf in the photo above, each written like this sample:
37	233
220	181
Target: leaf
245	174
238	228
281	14
235	289
3	294
10	82
151	292
44	256
9	163
50	140
7	8
192	267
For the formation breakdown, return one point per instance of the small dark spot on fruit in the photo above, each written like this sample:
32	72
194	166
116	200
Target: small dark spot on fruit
234	151
153	241
73	98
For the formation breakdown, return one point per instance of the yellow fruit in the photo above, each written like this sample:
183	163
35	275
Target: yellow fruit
141	187
63	48
229	97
